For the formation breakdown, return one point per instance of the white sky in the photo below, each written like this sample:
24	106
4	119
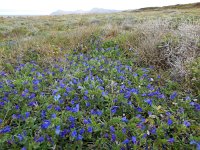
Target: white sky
45	7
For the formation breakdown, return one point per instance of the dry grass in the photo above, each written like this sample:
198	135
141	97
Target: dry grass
166	39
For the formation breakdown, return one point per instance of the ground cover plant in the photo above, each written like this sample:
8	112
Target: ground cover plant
127	80
97	100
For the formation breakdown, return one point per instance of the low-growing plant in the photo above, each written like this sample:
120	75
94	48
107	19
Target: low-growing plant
98	99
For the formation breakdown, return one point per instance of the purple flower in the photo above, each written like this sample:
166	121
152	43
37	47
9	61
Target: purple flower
99	112
43	114
186	123
169	122
49	107
1	121
113	137
20	137
32	96
40	139
127	95
81	131
104	94
173	95
126	141
23	148
76	109
148	101
134	139
57	108
46	124
27	114
86	121
74	133
64	133
57	97
134	91
6	129
89	129
112	129
124	119
57	130
124	130
53	116
87	104
187	98
71	119
114	109
36	82
33	103
171	140
17	107
80	137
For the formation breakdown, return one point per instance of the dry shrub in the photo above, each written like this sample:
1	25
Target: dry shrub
156	43
110	31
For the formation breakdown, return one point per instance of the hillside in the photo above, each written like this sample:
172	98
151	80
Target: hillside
178	6
94	10
104	81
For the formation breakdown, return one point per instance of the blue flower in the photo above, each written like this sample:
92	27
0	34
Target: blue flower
148	101
173	95
20	137
49	107
57	97
27	114
186	123
43	114
104	94
76	109
127	95
196	143
126	141
124	119
36	82
113	137
57	108
171	140
187	98
89	129
99	112
134	139
80	137
40	139
1	121
23	148
53	116
45	124
169	122
86	121
6	129
81	131
74	133
153	130
57	130
124	130
112	129
134	91
114	109
71	119
87	104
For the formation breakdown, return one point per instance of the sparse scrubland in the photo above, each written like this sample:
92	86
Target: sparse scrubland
128	80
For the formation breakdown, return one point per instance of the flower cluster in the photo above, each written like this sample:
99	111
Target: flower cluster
98	98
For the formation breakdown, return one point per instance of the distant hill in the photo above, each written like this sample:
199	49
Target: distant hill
178	6
92	11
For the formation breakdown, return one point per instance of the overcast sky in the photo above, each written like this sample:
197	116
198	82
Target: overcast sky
45	7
